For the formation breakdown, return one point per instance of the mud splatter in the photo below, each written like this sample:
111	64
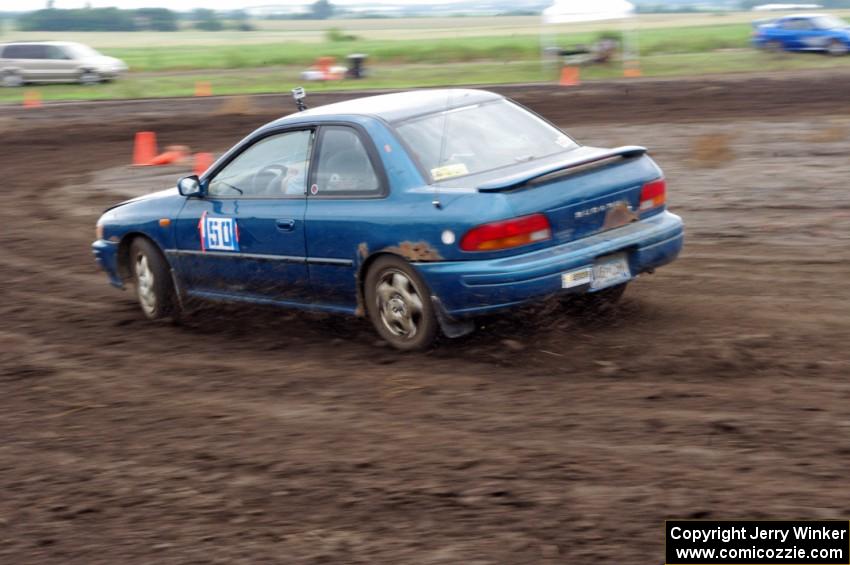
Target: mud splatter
416	251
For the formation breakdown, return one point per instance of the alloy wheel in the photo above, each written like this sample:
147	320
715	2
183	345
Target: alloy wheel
399	304
145	285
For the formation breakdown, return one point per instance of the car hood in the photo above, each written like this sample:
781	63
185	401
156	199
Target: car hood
168	192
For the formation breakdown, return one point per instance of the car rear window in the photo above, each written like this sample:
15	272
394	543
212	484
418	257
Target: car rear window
480	137
829	22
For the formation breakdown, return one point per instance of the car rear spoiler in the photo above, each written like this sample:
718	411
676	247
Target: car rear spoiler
519	179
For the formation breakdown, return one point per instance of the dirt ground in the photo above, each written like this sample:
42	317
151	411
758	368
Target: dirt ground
718	389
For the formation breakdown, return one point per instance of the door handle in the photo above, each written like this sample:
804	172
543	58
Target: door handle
285	224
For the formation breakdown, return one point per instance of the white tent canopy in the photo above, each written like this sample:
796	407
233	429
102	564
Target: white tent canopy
575	11
578	11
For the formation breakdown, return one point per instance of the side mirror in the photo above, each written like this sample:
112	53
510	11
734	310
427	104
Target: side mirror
190	186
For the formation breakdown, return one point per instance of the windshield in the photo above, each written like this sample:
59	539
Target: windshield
80	51
829	22
481	137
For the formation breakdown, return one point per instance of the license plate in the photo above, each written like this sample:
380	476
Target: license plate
610	271
577	277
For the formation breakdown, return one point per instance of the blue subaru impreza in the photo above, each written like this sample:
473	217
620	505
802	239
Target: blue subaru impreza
420	210
803	32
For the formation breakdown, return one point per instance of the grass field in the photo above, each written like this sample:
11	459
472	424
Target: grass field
470	51
313	31
283	78
507	48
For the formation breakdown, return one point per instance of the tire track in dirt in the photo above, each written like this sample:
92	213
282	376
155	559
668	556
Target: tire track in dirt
261	436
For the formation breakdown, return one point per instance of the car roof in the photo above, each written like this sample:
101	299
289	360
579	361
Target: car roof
802	16
401	106
39	43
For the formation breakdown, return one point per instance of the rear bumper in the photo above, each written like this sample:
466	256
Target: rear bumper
106	256
468	288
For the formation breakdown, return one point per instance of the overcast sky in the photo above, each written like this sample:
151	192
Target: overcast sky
19	5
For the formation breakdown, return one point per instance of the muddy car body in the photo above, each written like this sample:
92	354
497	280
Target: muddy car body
421	210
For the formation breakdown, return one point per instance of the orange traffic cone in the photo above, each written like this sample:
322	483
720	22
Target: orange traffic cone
203	89
202	163
569	76
173	154
144	148
32	99
632	70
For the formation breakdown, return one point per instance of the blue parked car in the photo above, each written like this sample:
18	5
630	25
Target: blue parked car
420	210
804	32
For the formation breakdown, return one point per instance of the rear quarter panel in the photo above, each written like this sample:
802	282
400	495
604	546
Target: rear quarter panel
404	222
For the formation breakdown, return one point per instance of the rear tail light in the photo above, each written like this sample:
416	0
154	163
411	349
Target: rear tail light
653	195
507	234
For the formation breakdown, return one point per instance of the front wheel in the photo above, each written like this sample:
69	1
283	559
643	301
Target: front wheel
836	48
152	279
399	304
774	47
89	77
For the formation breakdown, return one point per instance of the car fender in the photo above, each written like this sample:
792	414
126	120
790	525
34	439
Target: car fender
450	326
150	216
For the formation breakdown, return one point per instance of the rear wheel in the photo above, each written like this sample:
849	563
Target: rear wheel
152	279
11	79
399	304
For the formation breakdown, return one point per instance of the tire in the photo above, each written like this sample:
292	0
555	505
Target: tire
836	48
89	77
152	280
399	304
774	47
12	79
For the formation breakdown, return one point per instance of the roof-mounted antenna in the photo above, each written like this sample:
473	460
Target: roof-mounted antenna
298	95
436	202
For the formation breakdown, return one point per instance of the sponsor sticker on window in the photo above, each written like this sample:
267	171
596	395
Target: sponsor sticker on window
449	171
218	233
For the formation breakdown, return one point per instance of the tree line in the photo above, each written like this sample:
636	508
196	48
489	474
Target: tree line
98	19
155	19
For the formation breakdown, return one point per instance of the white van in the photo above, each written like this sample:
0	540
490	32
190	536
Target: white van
55	61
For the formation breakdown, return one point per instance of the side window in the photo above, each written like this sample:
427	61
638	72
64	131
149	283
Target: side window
23	51
54	52
31	52
797	24
273	167
344	167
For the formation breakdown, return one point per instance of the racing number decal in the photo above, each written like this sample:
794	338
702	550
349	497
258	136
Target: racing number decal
218	234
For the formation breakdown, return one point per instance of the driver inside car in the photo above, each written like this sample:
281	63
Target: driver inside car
294	182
